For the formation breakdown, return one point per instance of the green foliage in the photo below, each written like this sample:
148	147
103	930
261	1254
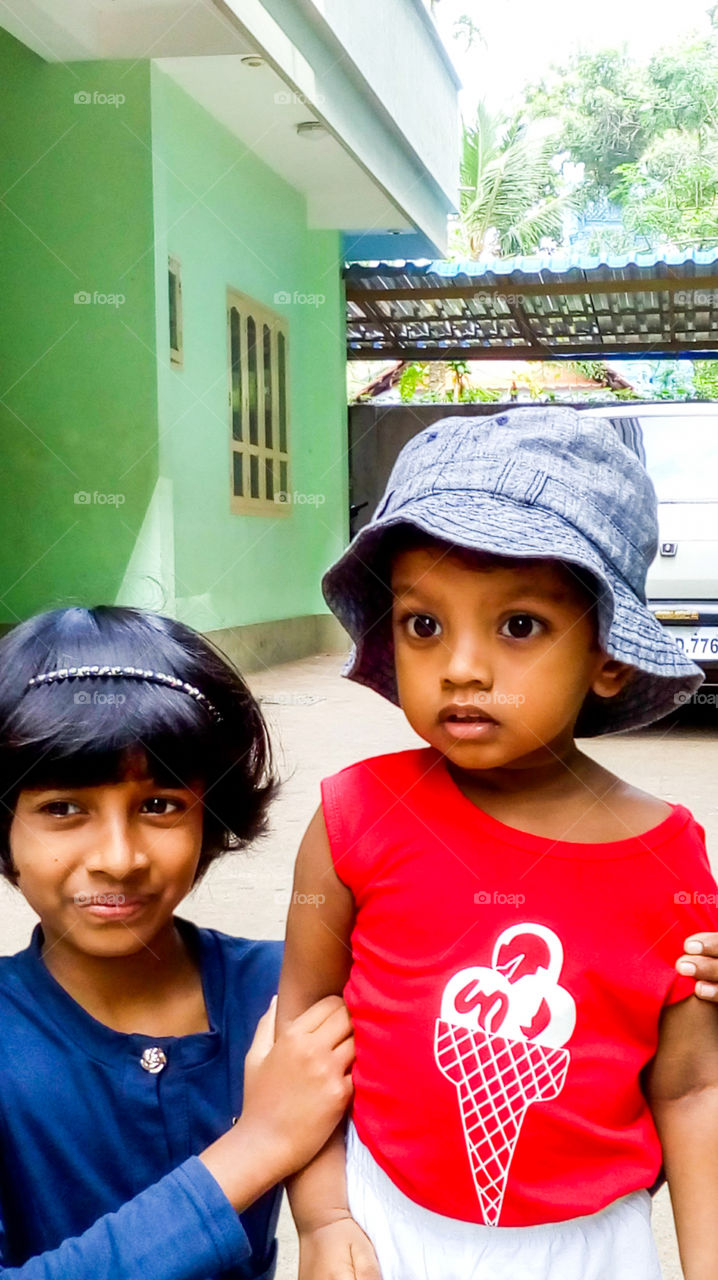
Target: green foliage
595	369
462	392
705	379
625	393
671	195
647	137
509	197
604	107
669	383
441	382
466	29
412	382
685	87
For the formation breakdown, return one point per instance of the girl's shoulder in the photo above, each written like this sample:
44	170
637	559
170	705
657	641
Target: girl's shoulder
239	950
15	967
249	964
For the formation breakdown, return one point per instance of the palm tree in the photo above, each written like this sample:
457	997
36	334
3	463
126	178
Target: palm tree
508	198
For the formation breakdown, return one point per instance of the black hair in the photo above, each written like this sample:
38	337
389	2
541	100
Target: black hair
51	737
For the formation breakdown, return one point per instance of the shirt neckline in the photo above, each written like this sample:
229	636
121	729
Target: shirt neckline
106	1044
646	842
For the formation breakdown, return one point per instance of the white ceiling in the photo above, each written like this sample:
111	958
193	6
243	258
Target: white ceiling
201	49
259	108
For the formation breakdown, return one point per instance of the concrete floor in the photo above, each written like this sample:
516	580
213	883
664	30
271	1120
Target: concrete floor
320	723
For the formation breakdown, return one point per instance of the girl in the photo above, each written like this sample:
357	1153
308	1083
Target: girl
516	1088
139	1132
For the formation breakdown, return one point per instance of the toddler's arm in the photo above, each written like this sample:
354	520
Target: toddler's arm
682	1088
317	960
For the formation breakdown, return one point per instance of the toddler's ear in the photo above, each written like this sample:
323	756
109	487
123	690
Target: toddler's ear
611	677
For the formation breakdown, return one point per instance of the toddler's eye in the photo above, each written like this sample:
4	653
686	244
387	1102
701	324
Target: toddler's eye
421	626
157	805
521	626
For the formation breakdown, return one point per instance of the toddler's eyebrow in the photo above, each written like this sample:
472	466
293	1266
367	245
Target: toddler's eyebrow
527	590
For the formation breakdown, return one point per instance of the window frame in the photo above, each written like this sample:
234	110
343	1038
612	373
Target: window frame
174	268
244	449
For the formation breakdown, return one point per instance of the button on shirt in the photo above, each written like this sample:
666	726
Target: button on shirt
100	1131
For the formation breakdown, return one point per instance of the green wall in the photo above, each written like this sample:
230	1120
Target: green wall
233	222
98	193
78	387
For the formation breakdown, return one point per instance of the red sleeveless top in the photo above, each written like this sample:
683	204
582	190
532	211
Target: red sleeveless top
506	991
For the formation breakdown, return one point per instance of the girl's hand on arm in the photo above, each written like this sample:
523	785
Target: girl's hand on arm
682	1089
295	1093
296	1089
701	962
317	962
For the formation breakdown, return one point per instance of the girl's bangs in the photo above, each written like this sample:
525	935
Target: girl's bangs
86	732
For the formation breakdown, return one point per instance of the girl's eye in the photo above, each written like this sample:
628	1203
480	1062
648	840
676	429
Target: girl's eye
158	806
521	626
60	808
421	626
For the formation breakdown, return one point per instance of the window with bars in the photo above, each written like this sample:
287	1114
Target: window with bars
258	401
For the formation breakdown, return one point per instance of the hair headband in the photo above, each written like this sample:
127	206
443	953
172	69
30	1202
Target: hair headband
132	673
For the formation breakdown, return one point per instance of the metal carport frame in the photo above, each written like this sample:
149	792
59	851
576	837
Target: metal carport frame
546	307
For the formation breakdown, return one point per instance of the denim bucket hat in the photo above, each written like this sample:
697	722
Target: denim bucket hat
532	482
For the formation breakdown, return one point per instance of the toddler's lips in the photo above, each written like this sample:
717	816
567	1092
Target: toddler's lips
466	720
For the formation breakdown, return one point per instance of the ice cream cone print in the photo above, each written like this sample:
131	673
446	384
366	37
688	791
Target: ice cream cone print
499	1040
497	1080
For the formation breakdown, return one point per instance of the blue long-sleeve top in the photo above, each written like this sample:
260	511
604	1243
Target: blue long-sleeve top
99	1176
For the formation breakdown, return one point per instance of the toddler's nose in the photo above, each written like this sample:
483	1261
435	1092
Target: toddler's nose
467	663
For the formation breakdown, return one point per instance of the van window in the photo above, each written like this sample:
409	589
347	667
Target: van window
682	457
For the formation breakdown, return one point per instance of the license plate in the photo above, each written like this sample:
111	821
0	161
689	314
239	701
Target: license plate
697	642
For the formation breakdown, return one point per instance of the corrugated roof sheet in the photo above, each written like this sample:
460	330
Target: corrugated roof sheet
542	307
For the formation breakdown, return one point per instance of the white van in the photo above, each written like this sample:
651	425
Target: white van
681	454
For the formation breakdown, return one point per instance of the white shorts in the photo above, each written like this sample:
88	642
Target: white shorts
413	1243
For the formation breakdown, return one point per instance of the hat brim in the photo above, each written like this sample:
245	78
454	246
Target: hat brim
356	590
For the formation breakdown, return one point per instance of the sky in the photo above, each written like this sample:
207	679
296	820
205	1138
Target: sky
523	37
